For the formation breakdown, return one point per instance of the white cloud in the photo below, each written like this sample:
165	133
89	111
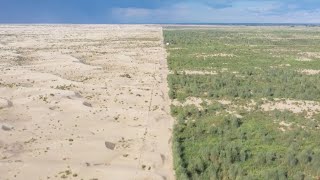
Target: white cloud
245	11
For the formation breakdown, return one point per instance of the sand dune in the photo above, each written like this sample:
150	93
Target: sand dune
84	102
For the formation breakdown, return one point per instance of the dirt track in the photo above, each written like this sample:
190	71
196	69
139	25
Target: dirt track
84	102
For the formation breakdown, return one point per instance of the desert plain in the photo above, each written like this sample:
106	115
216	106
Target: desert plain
84	102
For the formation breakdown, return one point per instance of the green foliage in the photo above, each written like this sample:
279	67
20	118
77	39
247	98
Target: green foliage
269	83
251	48
251	64
221	150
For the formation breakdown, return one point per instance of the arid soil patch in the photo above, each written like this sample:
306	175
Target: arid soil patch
84	102
309	107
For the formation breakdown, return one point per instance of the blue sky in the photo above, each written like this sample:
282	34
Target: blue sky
159	11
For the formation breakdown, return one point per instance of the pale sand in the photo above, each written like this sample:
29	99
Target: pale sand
84	102
309	71
296	106
188	72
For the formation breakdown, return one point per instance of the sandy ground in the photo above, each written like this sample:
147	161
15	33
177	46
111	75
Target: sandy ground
84	102
296	106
